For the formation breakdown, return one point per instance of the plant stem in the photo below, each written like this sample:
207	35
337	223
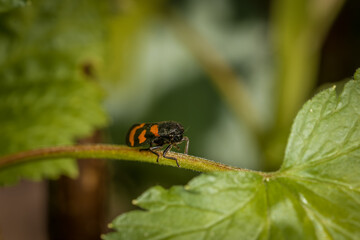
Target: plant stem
300	29
118	152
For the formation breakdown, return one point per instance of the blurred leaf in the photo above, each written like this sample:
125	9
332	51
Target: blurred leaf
6	5
47	96
315	194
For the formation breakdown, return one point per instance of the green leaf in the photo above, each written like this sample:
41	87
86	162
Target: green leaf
213	205
7	5
315	194
46	98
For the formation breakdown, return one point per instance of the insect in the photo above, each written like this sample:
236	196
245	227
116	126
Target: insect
156	135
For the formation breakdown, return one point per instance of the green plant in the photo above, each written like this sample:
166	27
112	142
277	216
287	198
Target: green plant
49	97
314	195
38	68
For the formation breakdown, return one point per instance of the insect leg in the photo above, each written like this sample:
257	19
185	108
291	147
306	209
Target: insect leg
151	149
186	139
167	149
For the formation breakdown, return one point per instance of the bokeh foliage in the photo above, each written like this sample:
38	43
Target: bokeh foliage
53	52
47	97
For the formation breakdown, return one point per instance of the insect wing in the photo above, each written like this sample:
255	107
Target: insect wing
136	135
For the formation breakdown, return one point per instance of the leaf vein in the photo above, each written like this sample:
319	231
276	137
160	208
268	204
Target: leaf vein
317	122
325	181
323	160
306	210
227	216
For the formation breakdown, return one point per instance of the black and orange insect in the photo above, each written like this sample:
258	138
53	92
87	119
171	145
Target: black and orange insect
156	135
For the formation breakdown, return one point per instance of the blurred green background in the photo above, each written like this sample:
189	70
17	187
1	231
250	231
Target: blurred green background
234	73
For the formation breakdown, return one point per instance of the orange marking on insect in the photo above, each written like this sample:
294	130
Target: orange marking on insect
142	137
155	130
132	133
